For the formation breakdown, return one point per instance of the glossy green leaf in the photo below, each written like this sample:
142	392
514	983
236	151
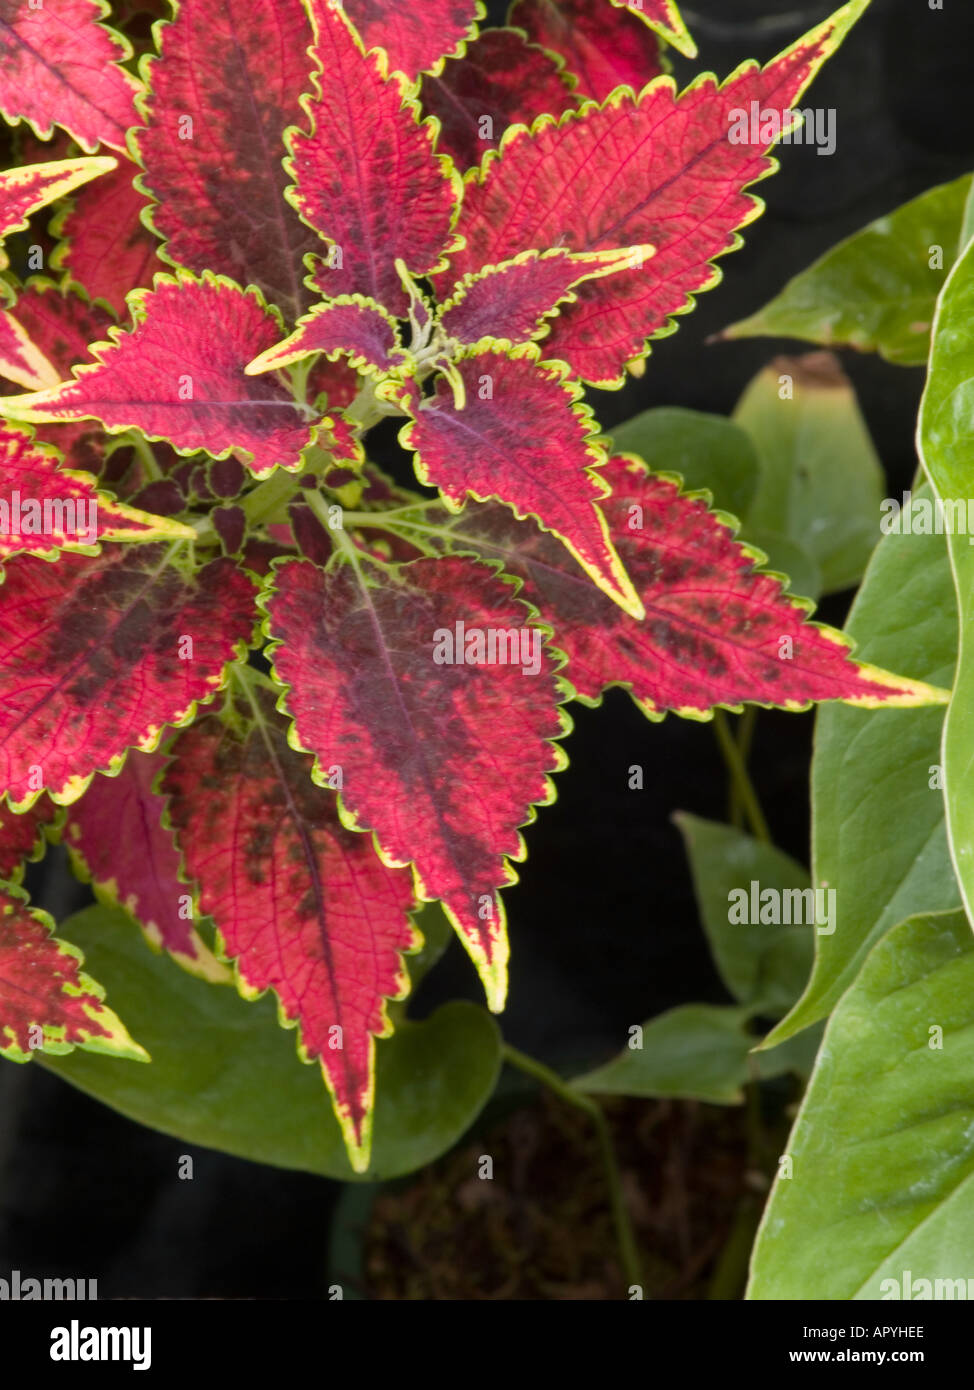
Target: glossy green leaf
821	481
882	1156
764	966
944	438
876	290
878	833
967	225
696	1051
226	1076
707	451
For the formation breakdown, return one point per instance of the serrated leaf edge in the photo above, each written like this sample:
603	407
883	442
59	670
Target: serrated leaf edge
838	26
493	975
625	594
119	1043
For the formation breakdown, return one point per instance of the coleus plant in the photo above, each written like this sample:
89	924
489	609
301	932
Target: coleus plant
314	698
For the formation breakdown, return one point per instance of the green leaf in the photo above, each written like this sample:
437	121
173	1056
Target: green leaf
437	933
697	1052
944	438
876	290
796	1055
822	482
764	967
881	1154
224	1075
878	830
788	557
707	451
967	226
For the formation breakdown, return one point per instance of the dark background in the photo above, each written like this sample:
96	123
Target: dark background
603	926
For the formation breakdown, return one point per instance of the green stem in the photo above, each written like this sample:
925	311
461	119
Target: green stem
739	777
143	452
300	372
378	519
620	1212
730	1274
346	547
367	410
745	735
268	500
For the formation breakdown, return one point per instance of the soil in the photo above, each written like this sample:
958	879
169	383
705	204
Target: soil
541	1227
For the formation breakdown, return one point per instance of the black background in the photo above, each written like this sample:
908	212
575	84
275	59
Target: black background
603	925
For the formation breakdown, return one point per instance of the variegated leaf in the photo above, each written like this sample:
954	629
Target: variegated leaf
441	750
498	81
350	327
198	397
33	186
46	509
520	435
603	46
366	177
224	89
302	905
415	38
97	655
59	65
119	842
47	1002
717	631
661	168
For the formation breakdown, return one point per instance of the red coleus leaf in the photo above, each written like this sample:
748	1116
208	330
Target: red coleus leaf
230	524
716	631
337	434
227	84
106	248
337	381
60	66
603	46
664	17
24	190
45	509
22	360
60	325
520	436
350	326
303	906
365	173
414	37
657	168
500	80
119	843
441	753
47	1003
22	836
96	655
179	375
509	302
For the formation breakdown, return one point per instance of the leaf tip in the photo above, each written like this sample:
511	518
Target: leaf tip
904	693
